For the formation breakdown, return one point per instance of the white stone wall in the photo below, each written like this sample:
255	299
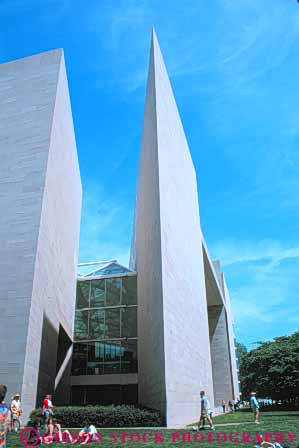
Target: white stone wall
40	191
231	335
174	350
220	354
146	256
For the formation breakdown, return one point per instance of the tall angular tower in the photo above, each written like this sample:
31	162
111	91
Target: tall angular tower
174	359
40	201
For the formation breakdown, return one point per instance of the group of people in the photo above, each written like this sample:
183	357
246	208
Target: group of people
52	428
12	411
53	433
9	414
230	406
206	411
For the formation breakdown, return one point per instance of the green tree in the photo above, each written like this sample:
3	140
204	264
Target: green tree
241	351
272	369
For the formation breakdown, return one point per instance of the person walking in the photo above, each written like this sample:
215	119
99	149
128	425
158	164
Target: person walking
4	416
223	404
254	404
205	412
237	404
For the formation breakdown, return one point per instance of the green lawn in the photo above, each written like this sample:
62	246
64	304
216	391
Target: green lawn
248	416
271	422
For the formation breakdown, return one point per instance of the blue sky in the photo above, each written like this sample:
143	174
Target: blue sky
234	67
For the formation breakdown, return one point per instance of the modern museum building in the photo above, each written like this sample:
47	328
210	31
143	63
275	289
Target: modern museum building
154	333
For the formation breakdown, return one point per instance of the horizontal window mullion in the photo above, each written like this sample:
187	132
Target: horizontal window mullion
107	307
84	341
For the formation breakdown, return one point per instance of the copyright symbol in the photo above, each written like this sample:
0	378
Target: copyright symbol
26	438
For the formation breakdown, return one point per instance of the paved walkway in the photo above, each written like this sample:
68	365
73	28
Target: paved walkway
234	424
217	425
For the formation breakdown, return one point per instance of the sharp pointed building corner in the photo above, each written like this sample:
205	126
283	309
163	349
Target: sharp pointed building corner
179	305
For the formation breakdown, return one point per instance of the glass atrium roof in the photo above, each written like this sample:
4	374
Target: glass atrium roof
108	269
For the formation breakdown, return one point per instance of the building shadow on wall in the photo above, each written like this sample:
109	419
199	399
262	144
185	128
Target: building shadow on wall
54	347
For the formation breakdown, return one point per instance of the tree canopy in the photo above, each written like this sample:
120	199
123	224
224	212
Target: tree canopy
241	351
272	369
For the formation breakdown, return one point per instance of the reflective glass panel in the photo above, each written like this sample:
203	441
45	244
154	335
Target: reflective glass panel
129	290
82	295
95	365
129	322
81	324
112	323
97	293
113	287
97	324
79	359
129	356
112	357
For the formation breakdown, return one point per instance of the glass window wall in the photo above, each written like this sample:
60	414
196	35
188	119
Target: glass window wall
97	293
129	290
106	326
96	324
83	294
81	324
103	358
113	291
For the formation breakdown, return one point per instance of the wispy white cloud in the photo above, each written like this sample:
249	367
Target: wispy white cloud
234	251
262	276
106	226
245	40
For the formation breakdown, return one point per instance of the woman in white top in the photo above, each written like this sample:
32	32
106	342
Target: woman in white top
16	411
